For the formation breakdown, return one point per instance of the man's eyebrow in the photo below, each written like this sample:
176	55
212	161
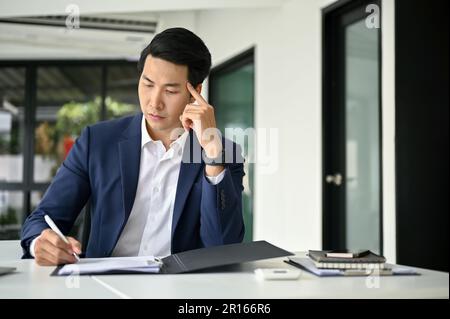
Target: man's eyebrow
166	84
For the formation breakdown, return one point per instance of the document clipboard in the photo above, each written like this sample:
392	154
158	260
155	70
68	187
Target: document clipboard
205	258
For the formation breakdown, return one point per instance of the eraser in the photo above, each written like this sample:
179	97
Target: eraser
277	273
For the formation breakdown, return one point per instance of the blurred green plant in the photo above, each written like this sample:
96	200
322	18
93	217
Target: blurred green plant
71	118
116	109
4	145
54	141
9	218
9	143
74	116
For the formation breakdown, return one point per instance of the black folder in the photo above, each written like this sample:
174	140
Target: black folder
203	258
211	257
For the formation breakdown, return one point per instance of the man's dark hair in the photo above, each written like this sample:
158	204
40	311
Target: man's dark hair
180	46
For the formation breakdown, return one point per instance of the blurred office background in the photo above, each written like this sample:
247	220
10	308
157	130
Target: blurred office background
356	91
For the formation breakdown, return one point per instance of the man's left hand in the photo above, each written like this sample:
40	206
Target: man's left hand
200	117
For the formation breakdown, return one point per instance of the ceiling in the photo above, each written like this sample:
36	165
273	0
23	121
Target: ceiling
34	41
20	41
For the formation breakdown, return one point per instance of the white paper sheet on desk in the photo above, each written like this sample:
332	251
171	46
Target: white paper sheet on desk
144	264
307	264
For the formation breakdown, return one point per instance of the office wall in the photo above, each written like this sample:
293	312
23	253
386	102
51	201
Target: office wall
287	40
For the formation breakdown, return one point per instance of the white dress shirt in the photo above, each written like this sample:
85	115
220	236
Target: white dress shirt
148	231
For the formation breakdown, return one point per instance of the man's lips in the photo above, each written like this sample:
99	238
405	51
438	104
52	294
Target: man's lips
156	116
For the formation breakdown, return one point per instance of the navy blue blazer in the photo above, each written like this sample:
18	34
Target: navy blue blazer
103	166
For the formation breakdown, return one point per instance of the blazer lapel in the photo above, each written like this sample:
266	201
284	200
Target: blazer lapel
191	165
130	158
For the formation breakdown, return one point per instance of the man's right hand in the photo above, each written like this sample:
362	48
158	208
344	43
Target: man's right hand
51	250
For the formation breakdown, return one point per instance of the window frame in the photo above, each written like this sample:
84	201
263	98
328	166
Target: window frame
28	185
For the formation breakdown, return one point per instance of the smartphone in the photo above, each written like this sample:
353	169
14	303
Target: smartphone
345	253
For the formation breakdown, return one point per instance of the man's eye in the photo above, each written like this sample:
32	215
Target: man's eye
171	92
148	85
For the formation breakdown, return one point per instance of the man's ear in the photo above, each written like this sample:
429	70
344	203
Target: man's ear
198	88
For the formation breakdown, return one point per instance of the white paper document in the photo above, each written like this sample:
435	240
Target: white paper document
142	264
392	270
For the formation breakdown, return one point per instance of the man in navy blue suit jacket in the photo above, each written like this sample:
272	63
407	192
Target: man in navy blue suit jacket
105	162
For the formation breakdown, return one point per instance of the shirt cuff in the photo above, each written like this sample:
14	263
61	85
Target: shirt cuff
214	180
33	243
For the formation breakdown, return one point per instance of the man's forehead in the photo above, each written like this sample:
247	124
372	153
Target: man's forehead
158	70
153	62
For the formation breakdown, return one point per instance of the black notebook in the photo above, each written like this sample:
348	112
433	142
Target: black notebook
184	262
370	258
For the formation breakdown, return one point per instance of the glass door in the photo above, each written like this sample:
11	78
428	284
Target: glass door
352	145
236	111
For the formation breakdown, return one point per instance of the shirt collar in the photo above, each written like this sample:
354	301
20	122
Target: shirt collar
146	138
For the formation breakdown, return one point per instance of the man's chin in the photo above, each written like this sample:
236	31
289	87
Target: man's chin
161	127
158	128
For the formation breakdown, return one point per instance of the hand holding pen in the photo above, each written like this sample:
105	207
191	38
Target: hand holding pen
53	248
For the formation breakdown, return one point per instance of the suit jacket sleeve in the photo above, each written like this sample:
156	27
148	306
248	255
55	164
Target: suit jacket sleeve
65	197
221	220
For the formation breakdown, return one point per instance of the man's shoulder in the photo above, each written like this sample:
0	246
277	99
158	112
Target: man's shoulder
114	124
114	128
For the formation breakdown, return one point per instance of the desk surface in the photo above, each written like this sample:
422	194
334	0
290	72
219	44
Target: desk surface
10	250
33	281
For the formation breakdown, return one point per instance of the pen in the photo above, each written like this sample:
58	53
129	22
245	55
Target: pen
55	228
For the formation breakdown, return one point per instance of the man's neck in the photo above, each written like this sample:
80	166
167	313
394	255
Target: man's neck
164	136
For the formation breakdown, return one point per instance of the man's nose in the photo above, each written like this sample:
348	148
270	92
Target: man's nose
156	99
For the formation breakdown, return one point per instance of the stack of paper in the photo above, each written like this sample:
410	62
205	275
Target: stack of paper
141	264
308	264
367	261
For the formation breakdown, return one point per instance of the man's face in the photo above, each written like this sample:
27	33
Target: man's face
163	94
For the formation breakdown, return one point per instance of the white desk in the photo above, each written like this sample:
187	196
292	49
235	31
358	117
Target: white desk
32	281
10	250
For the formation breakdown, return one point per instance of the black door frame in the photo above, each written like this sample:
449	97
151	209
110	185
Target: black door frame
341	13
234	63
